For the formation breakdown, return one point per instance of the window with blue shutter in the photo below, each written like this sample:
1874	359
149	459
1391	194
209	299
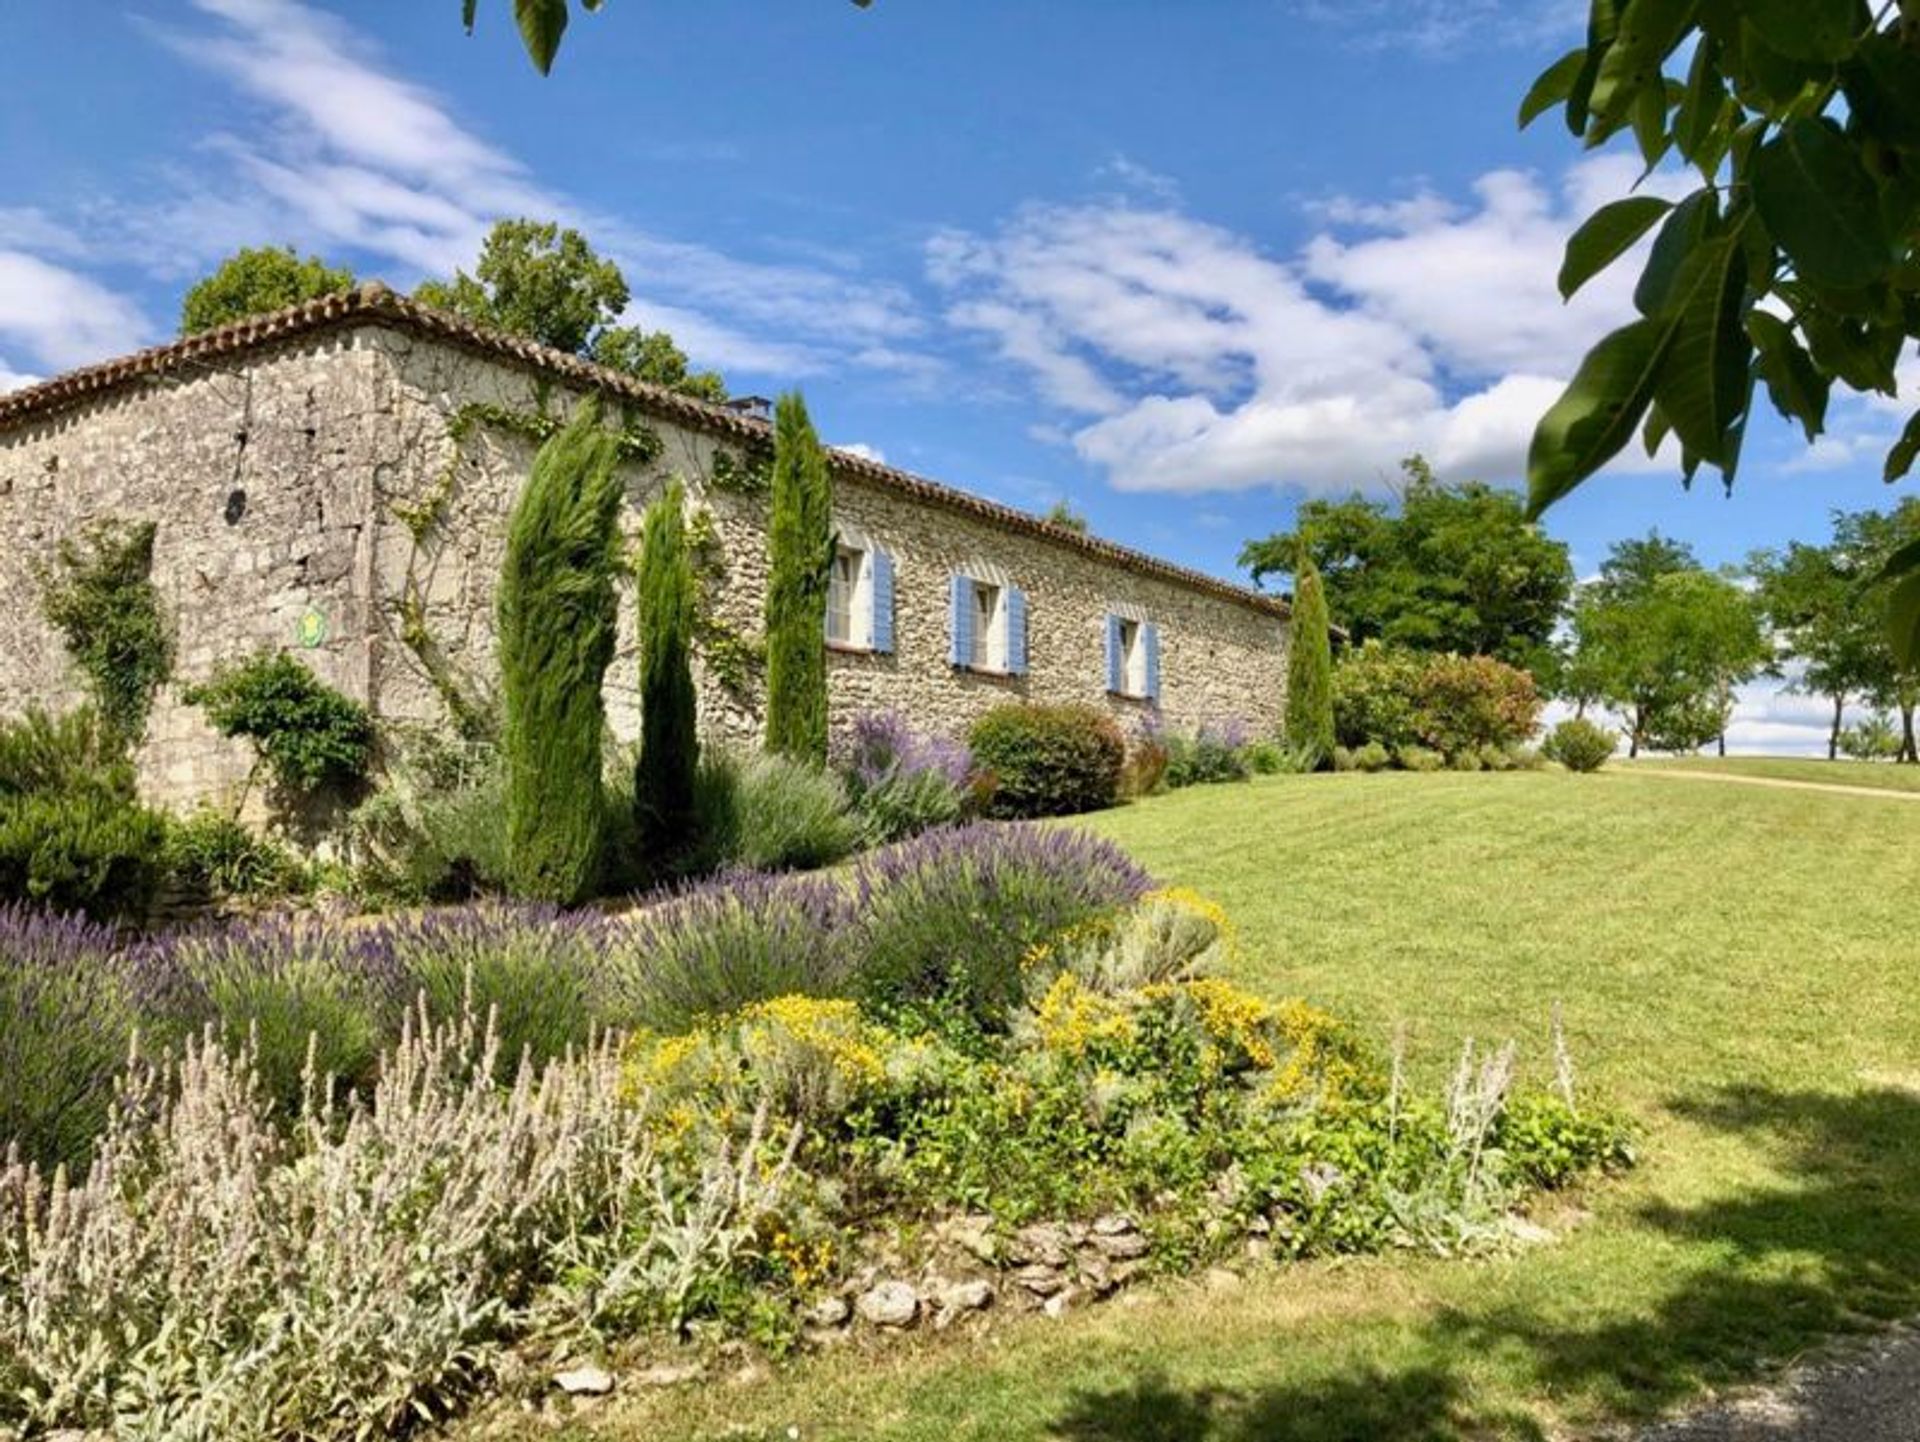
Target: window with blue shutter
1116	660
881	594
1150	638
961	621
1016	615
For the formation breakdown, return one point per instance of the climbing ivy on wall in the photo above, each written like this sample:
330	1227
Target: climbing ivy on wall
733	658
100	597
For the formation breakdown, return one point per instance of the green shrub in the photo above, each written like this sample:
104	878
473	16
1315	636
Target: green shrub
102	600
309	736
792	815
1450	704
1372	757
907	803
42	754
557	623
1419	758
1467	761
1579	745
1266	756
1145	769
1343	758
1049	760
1498	758
1207	756
214	853
663	787
1310	718
85	851
436	830
799	558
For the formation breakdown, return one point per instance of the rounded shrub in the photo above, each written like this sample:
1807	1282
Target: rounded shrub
1419	758
791	815
1372	757
1579	745
1049	760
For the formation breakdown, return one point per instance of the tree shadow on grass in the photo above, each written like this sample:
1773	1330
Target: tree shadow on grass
1832	1249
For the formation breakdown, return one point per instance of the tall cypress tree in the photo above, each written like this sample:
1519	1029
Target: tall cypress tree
557	617
800	555
669	718
1310	667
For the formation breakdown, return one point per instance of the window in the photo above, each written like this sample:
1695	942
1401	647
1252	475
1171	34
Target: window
860	597
989	626
1133	658
989	634
846	615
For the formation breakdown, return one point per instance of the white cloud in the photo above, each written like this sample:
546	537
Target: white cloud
348	155
1197	361
11	380
62	318
864	451
1442	27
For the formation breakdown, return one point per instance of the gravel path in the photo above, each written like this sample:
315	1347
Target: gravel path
1869	1393
1774	781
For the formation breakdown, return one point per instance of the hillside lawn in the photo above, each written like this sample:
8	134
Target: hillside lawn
1740	971
1880	775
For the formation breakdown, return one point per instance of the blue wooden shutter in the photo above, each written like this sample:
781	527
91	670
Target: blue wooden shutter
881	594
961	624
1150	638
1016	631
1114	658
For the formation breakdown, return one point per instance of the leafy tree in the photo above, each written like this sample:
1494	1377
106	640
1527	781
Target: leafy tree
1813	605
253	282
1310	666
800	556
1668	654
1794	264
1634	564
1454	568
1867	541
669	715
556	642
548	284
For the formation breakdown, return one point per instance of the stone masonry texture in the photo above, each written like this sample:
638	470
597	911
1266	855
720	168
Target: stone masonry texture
279	469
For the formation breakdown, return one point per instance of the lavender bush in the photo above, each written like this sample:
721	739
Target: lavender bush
67	1009
945	919
721	945
902	781
305	990
1217	751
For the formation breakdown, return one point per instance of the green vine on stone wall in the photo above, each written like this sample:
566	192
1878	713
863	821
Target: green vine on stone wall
101	598
733	658
636	443
751	475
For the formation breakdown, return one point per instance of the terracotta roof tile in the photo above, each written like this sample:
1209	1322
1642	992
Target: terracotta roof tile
376	304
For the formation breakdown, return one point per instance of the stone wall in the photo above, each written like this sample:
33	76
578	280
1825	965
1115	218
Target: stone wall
325	478
259	477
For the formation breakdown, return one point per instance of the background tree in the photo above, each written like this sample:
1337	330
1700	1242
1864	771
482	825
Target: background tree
253	282
1866	541
1061	513
800	555
556	642
669	712
1310	666
1816	611
1454	567
1794	264
1667	652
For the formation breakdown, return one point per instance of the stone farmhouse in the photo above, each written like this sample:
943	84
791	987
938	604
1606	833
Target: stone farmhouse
336	479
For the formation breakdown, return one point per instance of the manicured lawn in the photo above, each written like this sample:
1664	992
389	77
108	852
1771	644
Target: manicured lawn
1739	968
1880	775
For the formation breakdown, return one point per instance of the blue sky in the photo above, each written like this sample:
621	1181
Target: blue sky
1179	264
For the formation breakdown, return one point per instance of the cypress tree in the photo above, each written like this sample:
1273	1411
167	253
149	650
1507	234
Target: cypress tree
1310	667
557	616
800	555
669	740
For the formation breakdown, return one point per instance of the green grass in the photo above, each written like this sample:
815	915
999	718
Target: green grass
1880	775
1738	970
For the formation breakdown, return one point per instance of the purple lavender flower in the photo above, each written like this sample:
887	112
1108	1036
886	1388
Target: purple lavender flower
882	745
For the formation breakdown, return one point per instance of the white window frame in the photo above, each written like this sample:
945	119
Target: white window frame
1133	658
989	627
857	616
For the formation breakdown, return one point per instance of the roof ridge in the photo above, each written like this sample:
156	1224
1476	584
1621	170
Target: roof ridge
374	301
